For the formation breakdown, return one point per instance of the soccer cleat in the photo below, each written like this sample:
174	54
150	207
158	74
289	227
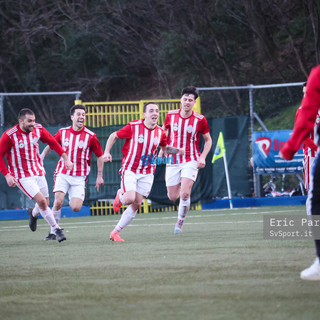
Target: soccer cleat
117	203
50	236
114	236
32	220
177	230
60	235
312	273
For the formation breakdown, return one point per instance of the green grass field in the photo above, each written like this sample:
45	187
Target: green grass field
219	268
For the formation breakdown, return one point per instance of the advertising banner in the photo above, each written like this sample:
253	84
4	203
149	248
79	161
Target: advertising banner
266	147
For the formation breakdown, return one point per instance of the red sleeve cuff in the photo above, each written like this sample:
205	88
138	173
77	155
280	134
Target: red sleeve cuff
287	152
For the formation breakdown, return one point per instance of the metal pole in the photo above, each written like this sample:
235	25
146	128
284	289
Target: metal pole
1	111
250	86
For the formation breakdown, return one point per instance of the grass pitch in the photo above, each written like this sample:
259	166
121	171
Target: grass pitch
219	268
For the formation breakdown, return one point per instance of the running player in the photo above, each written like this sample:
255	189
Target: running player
138	163
185	126
21	147
79	142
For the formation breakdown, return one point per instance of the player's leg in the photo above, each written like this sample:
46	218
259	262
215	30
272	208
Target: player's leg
173	180
184	205
127	192
313	207
189	175
76	192
143	184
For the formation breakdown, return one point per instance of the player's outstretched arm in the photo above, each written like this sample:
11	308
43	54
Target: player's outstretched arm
110	142
99	180
206	148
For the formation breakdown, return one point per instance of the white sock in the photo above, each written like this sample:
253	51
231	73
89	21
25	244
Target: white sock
48	216
36	211
127	216
184	207
57	216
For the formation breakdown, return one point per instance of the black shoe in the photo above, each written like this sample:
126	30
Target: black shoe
60	235
32	220
50	236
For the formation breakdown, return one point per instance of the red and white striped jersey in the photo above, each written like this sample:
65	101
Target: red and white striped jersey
22	151
185	133
140	147
310	144
78	146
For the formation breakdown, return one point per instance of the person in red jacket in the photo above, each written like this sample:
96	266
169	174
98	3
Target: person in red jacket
310	146
20	146
303	126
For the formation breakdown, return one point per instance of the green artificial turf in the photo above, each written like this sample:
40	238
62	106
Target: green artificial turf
219	268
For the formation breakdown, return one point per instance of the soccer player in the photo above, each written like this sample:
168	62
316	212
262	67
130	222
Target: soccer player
79	142
138	163
185	126
21	147
303	126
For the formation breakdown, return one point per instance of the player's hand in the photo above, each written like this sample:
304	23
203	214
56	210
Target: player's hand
160	154
99	182
11	181
281	155
201	163
69	164
107	157
180	151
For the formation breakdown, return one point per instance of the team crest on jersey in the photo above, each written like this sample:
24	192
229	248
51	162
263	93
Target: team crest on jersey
156	141
81	144
21	144
66	142
140	138
189	129
34	140
175	127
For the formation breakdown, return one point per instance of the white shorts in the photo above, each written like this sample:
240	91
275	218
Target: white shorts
74	185
140	183
30	186
175	172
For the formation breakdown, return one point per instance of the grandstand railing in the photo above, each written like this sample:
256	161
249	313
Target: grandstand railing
101	114
104	207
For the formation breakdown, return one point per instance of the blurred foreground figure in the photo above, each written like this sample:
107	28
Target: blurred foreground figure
303	126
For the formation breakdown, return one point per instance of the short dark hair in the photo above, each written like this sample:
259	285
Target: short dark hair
77	106
190	90
146	104
23	112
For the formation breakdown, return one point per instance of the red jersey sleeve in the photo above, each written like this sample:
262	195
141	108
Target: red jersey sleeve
5	145
125	132
307	115
57	136
204	127
163	140
46	137
96	146
166	124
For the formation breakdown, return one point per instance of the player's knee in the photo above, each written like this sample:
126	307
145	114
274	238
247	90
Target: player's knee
135	206
172	196
129	199
75	208
185	196
42	203
58	204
